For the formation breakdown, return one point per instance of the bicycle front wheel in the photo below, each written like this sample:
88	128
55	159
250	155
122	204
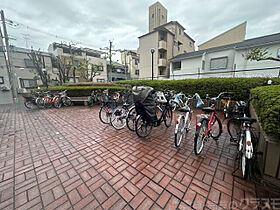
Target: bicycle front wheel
118	118
245	166
29	104
168	118
200	136
179	130
216	128
131	118
67	101
105	114
143	128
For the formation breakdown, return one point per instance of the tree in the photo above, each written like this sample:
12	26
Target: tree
39	64
259	54
88	71
64	66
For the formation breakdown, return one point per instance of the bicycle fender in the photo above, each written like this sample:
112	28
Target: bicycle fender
249	145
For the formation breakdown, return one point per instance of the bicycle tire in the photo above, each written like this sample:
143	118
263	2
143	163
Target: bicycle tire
58	103
169	116
179	134
67	101
245	166
106	111
200	135
90	101
216	121
188	123
233	128
29	104
118	118
48	102
131	118
143	125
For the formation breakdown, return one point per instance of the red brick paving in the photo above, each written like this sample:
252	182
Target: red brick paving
67	158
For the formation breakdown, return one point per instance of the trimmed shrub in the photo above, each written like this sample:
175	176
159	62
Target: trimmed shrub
212	86
71	84
82	91
268	108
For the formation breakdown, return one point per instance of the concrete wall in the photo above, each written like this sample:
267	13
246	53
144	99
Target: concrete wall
188	66
145	44
234	35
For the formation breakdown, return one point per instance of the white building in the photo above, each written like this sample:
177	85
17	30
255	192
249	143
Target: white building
228	60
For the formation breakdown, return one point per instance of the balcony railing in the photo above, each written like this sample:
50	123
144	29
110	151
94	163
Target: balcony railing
162	45
162	62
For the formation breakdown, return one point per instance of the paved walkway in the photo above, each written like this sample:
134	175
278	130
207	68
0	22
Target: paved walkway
67	158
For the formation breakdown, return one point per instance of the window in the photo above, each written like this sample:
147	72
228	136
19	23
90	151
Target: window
28	83
137	72
100	68
101	80
218	63
136	62
152	15
161	55
29	63
176	65
180	31
162	16
203	65
1	80
190	44
278	53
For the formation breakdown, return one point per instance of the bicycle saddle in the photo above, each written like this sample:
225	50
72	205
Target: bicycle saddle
183	109
126	105
208	109
247	119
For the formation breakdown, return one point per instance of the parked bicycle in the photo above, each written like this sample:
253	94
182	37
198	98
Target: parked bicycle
226	101
241	132
120	116
109	103
146	108
183	121
209	126
95	97
62	99
34	101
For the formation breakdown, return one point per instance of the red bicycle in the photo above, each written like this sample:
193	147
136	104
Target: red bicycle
209	126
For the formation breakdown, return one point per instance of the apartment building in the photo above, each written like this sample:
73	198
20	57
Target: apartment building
229	61
130	59
92	56
168	39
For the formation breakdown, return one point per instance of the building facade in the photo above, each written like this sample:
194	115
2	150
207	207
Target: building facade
229	60
157	16
119	72
92	56
167	39
233	35
130	59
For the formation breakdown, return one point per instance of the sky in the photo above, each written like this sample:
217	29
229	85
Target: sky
93	23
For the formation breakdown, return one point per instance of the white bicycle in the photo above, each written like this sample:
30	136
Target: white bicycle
184	118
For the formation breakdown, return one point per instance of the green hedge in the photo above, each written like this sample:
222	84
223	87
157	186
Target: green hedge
71	84
82	91
212	86
268	108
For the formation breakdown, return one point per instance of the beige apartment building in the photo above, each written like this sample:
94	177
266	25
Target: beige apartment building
93	56
130	59
168	39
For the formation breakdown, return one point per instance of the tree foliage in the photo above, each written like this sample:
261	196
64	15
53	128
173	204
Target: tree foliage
259	54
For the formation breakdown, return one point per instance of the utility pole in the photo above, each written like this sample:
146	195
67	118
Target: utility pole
11	76
110	58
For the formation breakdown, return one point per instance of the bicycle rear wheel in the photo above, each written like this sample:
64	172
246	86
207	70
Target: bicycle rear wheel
67	101
168	118
118	118
29	104
131	118
143	128
48	102
200	136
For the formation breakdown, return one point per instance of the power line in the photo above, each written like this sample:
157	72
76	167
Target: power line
16	23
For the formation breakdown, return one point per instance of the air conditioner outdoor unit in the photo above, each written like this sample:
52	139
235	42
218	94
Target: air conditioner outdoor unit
22	90
5	88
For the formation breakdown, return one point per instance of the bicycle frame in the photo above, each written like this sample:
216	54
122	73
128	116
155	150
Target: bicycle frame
210	121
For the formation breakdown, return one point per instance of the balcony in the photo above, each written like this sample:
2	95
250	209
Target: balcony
162	45
162	62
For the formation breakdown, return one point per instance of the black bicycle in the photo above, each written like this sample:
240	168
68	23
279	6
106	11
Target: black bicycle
147	110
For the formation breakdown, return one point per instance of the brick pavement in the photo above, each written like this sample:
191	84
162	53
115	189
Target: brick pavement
68	159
